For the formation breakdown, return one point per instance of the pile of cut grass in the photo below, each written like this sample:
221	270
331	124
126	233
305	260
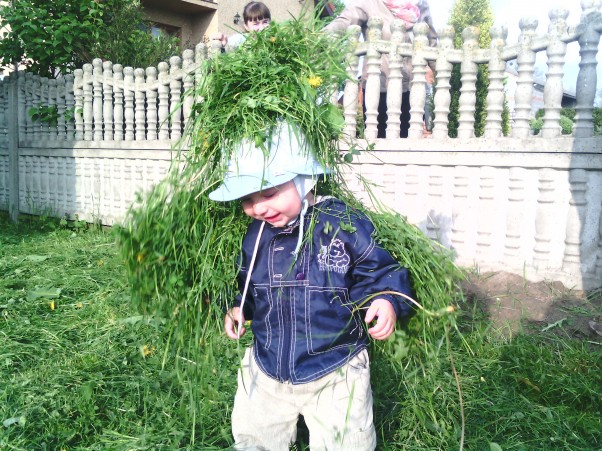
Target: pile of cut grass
81	369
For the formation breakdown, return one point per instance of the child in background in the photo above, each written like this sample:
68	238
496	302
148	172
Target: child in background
315	284
256	16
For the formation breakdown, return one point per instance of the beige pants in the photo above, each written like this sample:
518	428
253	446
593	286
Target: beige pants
337	409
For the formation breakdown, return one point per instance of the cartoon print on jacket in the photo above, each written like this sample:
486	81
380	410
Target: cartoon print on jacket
333	257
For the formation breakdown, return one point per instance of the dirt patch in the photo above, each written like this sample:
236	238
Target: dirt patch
515	305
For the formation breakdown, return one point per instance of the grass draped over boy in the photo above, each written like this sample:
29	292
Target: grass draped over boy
308	296
180	247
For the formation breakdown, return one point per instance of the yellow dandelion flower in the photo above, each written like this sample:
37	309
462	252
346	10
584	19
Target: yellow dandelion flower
79	305
273	39
52	305
314	81
140	257
148	350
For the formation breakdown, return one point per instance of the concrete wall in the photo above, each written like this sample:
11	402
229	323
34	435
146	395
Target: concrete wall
531	205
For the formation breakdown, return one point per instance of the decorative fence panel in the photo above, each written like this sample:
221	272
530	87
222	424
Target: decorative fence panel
527	204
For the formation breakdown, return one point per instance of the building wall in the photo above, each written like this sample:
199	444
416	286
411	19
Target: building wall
194	28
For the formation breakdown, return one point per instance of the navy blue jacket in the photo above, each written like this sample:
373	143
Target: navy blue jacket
306	321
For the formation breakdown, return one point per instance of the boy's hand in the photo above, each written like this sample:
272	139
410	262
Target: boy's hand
220	37
232	325
385	325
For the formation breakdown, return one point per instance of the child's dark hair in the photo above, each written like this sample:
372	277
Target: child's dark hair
256	11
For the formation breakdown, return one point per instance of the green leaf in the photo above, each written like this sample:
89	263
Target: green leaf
494	447
556	324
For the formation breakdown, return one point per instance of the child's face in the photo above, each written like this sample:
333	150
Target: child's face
257	25
278	205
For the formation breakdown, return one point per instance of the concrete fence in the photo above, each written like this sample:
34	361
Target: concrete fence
526	204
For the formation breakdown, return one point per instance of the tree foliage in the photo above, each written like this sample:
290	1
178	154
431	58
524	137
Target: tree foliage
54	37
466	13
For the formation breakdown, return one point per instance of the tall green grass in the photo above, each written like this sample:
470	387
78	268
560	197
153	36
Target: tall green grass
92	373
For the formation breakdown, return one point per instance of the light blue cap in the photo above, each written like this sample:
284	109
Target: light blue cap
251	170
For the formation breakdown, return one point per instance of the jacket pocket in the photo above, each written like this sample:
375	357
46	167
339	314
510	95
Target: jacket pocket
329	320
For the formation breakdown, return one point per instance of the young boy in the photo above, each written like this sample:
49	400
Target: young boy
309	266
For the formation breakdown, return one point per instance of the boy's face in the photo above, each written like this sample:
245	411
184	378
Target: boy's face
257	25
278	205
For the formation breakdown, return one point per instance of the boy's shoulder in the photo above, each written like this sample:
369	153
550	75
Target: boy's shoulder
336	207
342	217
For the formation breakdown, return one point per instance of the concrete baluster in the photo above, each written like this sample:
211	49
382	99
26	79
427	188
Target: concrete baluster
524	83
128	100
575	220
487	213
69	106
460	210
188	83
435	202
97	99
44	129
36	102
39	188
140	98
442	97
118	125
61	107
52	129
78	98
395	81
418	86
107	95
412	191
468	91
151	103
26	128
163	100
61	194
495	95
200	55
117	187
351	91
587	78
515	214
87	102
553	89
175	91
49	168
215	48
544	218
372	89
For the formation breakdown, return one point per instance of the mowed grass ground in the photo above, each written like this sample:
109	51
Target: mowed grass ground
80	369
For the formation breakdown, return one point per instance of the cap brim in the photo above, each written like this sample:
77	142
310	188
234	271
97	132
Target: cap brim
238	186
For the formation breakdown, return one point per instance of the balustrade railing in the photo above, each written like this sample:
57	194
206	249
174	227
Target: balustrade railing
109	102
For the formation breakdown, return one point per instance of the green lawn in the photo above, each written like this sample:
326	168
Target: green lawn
81	369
